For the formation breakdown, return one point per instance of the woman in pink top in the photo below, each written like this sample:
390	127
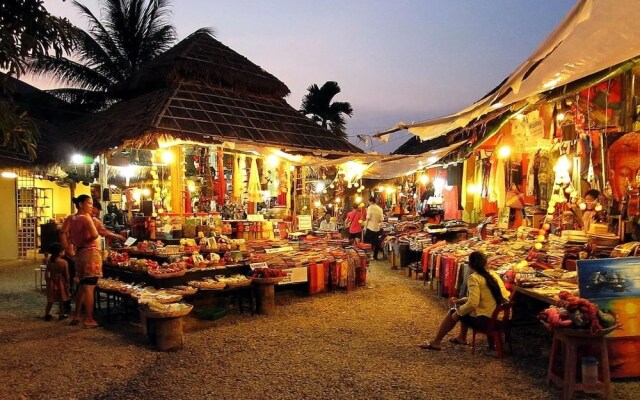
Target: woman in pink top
353	221
79	236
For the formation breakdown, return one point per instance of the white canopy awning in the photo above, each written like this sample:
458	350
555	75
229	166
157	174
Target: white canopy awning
595	35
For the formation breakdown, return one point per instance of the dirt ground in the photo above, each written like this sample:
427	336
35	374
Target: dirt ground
358	345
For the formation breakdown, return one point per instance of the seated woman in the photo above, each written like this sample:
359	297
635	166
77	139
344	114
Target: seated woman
486	291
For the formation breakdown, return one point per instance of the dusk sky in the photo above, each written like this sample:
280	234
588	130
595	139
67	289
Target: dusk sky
401	60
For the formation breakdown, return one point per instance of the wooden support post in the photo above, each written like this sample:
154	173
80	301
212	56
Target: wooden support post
266	298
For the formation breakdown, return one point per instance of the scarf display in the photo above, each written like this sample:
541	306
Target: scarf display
254	190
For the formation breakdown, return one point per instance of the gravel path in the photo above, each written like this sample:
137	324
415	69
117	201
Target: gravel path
360	345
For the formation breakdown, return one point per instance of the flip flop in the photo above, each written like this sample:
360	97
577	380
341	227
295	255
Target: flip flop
91	326
428	346
456	341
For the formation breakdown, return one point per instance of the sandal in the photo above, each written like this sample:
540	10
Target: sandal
456	341
91	326
429	346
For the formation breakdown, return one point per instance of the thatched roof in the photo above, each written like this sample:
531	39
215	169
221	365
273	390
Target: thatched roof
204	114
207	93
48	113
201	58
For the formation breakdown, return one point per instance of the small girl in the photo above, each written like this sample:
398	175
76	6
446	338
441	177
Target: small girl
57	276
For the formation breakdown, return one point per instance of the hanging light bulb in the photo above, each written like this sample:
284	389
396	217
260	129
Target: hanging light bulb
424	179
504	152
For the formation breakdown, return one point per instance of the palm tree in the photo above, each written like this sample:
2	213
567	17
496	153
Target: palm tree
330	115
131	34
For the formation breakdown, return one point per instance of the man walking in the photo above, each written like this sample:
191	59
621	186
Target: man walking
375	216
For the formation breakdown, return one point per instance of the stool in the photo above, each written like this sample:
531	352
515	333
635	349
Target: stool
40	281
568	341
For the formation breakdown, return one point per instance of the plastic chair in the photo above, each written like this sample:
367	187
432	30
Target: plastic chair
495	329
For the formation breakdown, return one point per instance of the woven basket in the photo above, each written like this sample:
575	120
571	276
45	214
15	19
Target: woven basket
261	281
168	275
169	314
239	284
574	332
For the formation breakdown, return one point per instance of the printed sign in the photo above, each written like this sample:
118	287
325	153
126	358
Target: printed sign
304	223
278	249
258	265
255	217
129	242
295	275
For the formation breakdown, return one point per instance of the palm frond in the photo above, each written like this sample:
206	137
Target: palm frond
83	100
68	72
99	32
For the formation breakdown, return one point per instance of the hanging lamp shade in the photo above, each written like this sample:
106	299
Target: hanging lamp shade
254	190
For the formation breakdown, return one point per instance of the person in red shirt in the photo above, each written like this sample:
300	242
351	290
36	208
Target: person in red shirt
353	221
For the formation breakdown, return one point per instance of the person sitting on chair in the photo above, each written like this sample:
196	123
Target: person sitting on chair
486	292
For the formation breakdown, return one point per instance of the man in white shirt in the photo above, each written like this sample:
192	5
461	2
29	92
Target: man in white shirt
327	225
375	216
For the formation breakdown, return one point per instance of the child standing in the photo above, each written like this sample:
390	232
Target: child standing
57	276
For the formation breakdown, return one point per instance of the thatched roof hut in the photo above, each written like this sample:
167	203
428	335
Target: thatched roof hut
202	91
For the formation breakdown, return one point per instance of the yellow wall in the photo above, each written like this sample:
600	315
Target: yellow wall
62	195
8	216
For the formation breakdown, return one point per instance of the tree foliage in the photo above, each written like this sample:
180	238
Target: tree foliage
27	30
318	103
130	35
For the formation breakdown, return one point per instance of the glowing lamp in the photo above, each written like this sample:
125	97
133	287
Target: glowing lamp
167	156
504	152
320	187
561	116
358	199
337	200
273	161
424	179
146	192
9	175
583	206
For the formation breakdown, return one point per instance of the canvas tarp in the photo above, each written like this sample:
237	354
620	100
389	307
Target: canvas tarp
595	35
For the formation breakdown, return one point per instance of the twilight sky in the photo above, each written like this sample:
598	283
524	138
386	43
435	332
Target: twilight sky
400	60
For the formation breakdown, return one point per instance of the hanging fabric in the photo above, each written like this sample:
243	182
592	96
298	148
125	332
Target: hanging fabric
222	184
236	177
500	191
253	187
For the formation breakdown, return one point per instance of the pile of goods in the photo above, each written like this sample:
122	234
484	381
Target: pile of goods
576	312
182	290
166	270
268	273
235	280
155	307
145	295
207	284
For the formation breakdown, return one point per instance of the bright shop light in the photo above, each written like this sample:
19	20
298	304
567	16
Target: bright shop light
504	152
9	175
